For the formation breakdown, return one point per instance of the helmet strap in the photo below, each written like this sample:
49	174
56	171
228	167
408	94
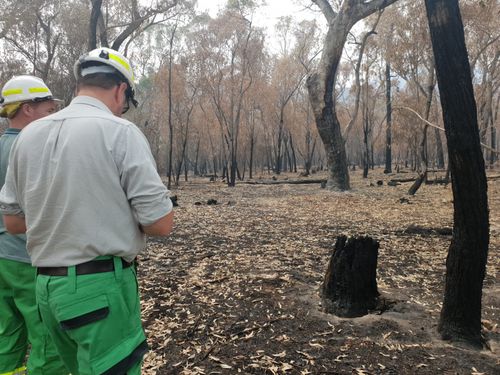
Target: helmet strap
131	96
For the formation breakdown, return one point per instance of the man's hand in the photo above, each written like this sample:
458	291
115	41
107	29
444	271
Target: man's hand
14	224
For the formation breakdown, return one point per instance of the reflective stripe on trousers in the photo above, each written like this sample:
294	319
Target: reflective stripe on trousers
17	371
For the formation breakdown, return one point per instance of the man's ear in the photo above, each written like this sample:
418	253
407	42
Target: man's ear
119	90
123	87
26	109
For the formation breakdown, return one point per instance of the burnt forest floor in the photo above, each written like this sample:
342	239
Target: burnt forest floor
235	288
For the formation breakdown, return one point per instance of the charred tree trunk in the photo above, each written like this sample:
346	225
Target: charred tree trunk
197	154
493	144
279	143
292	155
350	285
423	144
388	131
466	262
285	155
250	164
232	169
94	17
366	151
418	182
170	121
439	149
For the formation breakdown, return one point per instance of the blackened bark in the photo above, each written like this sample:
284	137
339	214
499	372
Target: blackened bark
252	146
103	33
366	151
439	149
423	144
388	131
418	182
197	154
292	155
493	144
279	156
350	285
94	17
466	262
170	121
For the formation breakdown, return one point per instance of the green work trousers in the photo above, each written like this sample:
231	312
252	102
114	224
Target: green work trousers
94	320
20	323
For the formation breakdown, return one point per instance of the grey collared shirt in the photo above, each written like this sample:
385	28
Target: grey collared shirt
84	179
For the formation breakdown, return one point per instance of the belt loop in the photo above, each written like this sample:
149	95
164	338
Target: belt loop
118	266
71	279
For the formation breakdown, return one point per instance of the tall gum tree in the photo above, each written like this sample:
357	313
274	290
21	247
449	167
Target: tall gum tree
321	82
467	256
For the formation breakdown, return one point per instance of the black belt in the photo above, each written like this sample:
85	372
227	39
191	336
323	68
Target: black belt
93	266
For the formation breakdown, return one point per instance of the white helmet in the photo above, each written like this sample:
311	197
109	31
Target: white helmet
108	58
24	89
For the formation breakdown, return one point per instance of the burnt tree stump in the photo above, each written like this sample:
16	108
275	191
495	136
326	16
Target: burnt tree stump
350	286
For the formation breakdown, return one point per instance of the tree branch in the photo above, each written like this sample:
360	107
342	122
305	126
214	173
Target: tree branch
326	9
362	9
438	127
137	21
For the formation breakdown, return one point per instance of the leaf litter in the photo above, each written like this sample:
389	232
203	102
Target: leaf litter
234	289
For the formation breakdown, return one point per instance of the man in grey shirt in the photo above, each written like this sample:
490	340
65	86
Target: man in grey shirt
83	185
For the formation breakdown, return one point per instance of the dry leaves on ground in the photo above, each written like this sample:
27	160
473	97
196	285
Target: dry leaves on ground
235	288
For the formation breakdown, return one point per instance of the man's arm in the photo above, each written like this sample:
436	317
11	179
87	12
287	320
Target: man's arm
145	191
14	224
162	227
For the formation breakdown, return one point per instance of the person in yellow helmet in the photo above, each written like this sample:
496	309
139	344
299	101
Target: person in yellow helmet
23	100
84	183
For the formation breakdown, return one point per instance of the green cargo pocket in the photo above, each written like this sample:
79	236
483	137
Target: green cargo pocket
83	312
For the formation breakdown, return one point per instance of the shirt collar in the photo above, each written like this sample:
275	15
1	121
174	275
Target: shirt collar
91	101
14	131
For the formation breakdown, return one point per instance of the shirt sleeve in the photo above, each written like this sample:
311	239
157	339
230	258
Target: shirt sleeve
140	181
9	204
